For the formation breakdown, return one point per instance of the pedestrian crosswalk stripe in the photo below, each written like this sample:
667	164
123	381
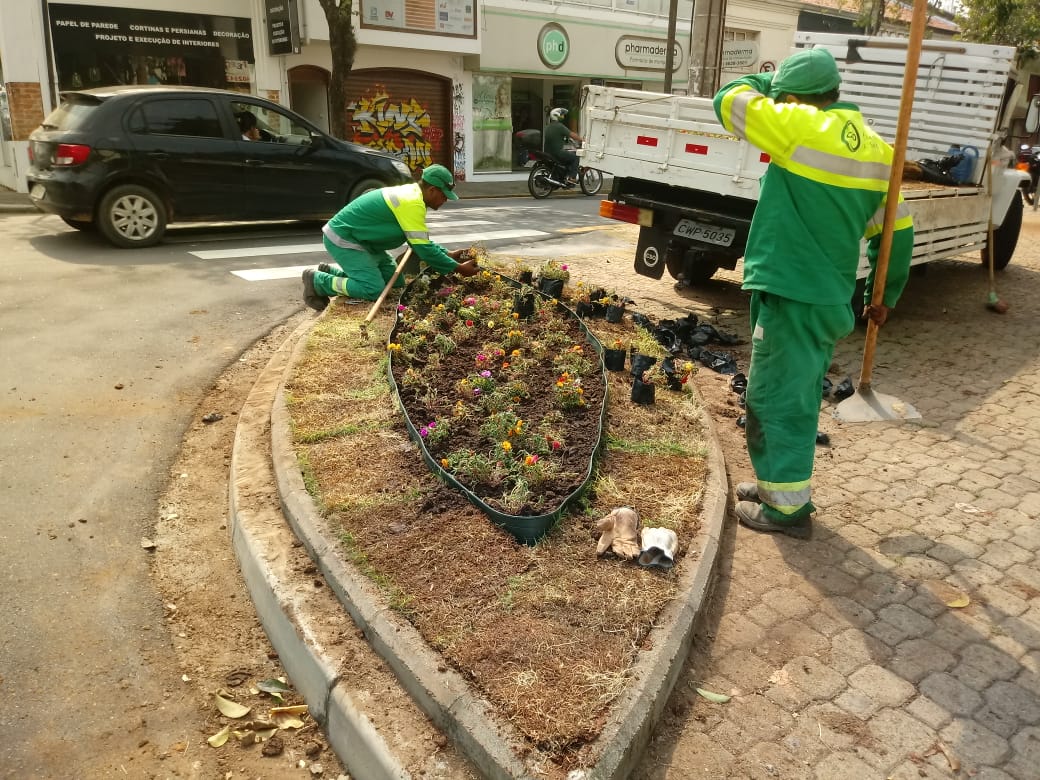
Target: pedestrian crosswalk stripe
267	274
297	249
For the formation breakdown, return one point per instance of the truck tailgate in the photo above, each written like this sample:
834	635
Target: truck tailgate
673	140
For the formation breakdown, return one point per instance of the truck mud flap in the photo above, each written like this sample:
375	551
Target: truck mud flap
651	252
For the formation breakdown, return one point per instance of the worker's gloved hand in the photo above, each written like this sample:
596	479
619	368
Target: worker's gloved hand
467	268
619	532
877	313
459	255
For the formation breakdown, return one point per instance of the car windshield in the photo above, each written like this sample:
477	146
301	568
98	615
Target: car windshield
70	115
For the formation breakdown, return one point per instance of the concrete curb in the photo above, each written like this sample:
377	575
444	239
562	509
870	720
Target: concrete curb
442	693
314	675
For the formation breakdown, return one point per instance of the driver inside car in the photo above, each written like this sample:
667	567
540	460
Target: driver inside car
557	135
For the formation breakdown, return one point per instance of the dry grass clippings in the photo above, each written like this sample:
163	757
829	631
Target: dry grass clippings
547	633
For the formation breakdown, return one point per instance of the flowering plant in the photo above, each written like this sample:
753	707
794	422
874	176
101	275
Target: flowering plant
553	269
508	406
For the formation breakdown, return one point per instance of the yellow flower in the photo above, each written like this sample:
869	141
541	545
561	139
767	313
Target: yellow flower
444	462
507	446
491	323
516	353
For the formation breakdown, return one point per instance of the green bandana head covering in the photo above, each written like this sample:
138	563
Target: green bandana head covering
808	72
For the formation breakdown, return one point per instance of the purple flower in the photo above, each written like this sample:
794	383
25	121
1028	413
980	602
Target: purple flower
476	391
401	307
424	431
444	292
486	374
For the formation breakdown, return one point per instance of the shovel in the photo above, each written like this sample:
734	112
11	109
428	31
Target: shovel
386	291
866	405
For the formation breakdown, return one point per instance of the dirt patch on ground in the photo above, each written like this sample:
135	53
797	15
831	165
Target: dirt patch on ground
547	633
214	628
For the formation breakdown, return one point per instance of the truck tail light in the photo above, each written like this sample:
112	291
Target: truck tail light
633	214
71	154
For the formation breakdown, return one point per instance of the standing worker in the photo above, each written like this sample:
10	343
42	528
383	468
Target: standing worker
358	238
557	134
824	190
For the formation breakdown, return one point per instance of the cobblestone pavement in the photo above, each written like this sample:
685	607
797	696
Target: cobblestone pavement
847	656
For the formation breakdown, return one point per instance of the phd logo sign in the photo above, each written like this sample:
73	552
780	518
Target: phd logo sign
553	45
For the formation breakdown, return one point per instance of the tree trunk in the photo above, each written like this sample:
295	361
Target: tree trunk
343	46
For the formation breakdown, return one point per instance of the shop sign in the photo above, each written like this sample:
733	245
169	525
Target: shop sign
129	31
636	53
283	27
452	17
553	45
739	54
237	71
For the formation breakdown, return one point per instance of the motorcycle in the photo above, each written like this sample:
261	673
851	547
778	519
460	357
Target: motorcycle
548	175
1029	161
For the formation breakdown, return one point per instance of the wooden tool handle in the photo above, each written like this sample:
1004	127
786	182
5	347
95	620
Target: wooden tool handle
906	101
389	286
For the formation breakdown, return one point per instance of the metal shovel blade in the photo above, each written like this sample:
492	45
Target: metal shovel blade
868	406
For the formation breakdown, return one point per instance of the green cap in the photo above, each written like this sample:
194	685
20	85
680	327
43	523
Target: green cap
809	72
441	178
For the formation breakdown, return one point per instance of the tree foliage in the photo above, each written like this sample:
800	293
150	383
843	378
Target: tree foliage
343	45
1006	22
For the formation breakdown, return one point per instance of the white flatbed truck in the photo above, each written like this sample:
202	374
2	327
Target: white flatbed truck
692	187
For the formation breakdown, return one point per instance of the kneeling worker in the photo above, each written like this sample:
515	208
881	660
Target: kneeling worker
358	238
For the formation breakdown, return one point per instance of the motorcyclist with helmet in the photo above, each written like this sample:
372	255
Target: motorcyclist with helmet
557	134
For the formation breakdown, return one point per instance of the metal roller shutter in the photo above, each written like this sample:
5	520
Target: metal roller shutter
405	112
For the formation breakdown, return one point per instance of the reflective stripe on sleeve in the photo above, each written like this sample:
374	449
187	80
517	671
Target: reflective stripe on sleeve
738	110
877	221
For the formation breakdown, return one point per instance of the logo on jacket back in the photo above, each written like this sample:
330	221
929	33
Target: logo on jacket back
850	136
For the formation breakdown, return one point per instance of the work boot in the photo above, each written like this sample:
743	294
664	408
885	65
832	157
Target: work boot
311	296
325	268
748	491
751	514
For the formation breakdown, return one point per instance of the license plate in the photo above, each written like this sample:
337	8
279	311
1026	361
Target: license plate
37	192
702	231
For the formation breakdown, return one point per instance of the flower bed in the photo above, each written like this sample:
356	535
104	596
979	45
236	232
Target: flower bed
504	392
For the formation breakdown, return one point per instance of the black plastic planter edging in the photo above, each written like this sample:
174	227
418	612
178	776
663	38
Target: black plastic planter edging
527	529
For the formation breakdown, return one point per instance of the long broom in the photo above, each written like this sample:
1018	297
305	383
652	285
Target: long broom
866	405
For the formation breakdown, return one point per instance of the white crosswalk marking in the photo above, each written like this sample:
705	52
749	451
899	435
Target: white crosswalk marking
444	239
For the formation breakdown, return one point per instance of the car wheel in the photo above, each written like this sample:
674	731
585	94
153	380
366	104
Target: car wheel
79	224
365	185
132	216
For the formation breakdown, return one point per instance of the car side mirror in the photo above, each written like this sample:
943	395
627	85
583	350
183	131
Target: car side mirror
317	141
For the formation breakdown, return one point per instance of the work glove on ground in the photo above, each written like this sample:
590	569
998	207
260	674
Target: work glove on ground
619	532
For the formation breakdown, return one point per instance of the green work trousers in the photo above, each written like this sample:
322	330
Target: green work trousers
364	275
792	344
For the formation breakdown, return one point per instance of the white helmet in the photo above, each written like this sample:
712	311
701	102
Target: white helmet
557	114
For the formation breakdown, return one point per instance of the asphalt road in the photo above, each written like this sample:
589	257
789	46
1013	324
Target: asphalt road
104	354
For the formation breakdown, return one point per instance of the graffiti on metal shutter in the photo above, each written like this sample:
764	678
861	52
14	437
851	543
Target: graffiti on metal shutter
398	127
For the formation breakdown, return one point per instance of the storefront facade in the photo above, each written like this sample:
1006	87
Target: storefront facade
433	81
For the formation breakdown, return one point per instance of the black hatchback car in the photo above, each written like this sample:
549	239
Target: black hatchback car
129	160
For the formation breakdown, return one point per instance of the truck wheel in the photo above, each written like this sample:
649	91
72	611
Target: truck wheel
1005	237
538	182
696	271
132	216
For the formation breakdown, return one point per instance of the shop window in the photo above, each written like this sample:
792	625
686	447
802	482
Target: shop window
179	117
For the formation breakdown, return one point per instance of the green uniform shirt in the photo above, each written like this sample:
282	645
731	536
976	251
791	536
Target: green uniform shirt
825	190
556	136
384	219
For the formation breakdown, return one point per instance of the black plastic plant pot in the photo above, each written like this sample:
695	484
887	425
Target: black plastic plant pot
551	287
640	363
526	529
525	277
614	359
615	313
524	305
643	392
583	309
599	309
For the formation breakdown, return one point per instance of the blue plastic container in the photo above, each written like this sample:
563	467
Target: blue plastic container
964	170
